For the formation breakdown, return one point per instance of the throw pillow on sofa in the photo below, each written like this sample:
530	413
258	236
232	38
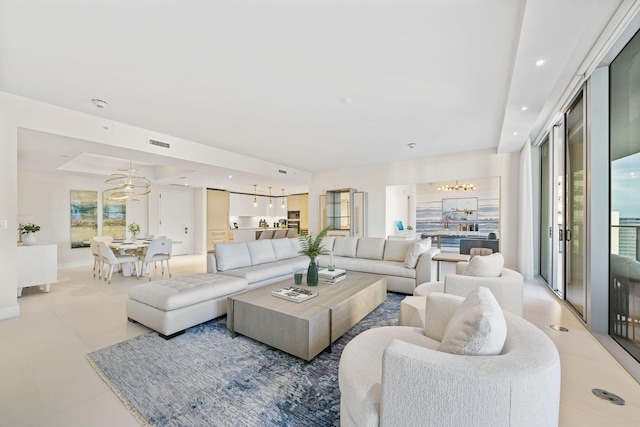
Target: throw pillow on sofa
477	328
485	266
417	249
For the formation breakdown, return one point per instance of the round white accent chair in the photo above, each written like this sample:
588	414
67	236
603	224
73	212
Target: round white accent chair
397	376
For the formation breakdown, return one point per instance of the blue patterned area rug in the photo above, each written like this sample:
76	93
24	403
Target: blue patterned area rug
206	378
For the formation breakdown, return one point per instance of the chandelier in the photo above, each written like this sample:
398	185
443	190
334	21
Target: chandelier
128	184
457	187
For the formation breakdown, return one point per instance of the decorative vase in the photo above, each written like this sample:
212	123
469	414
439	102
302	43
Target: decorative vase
312	273
29	239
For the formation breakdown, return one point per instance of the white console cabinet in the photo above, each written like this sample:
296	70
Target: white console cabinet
37	265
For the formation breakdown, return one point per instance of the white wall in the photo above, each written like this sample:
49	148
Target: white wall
397	208
46	198
18	112
463	166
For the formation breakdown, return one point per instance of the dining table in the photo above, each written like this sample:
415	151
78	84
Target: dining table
128	247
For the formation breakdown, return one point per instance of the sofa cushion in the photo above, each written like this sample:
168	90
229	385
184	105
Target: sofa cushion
477	327
485	266
295	244
396	249
417	249
327	242
261	251
184	291
232	255
386	268
283	249
345	246
370	247
258	273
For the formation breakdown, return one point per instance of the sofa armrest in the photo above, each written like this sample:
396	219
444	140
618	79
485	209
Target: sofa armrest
212	266
425	269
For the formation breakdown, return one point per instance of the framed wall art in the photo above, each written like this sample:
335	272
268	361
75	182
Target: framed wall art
84	217
465	209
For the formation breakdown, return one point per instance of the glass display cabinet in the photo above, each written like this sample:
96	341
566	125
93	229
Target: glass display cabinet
344	211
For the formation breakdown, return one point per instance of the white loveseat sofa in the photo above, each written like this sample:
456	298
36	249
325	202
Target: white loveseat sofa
401	375
261	262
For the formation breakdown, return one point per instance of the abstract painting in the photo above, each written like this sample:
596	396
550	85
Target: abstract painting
84	217
114	217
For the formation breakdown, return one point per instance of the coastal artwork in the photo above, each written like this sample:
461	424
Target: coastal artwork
84	217
114	217
460	209
480	207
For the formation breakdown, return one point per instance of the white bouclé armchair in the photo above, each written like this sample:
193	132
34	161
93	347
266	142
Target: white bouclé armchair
396	376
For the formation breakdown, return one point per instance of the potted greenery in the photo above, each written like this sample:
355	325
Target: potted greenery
135	230
27	231
312	248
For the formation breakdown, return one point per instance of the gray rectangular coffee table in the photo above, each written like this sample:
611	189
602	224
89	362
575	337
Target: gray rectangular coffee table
305	329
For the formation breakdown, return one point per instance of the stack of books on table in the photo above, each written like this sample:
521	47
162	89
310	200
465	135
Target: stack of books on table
294	294
332	277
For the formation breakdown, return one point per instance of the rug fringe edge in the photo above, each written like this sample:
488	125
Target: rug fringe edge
127	404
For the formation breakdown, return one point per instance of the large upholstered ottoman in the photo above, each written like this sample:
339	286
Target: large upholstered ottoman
171	306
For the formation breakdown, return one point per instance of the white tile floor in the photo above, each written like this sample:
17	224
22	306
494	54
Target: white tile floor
46	380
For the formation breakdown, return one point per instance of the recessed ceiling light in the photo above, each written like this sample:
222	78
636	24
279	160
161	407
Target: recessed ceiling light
230	176
346	100
99	103
524	108
515	133
540	62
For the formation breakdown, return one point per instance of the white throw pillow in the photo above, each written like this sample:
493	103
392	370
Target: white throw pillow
417	249
477	328
485	266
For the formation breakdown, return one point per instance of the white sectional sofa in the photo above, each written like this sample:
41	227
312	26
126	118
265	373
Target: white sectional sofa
404	263
171	306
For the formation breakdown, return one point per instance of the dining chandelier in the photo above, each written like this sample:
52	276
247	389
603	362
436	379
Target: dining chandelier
128	184
457	187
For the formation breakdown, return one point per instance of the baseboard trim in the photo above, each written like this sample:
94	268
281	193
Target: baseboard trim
9	312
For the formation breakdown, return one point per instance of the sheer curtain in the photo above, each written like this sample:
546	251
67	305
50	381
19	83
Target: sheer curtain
525	226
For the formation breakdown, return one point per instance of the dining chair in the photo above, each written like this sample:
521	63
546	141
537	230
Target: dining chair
158	250
113	260
266	234
97	257
291	232
280	233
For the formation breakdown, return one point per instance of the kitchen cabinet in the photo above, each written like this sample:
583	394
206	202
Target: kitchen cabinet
242	205
217	218
300	203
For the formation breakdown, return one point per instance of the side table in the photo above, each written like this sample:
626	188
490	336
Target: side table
448	257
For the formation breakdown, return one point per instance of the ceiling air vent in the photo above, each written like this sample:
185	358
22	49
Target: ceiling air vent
159	143
282	171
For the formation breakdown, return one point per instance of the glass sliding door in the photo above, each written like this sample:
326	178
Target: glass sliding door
574	228
624	220
552	209
546	216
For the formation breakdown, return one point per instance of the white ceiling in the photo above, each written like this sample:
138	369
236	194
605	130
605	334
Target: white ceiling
311	84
